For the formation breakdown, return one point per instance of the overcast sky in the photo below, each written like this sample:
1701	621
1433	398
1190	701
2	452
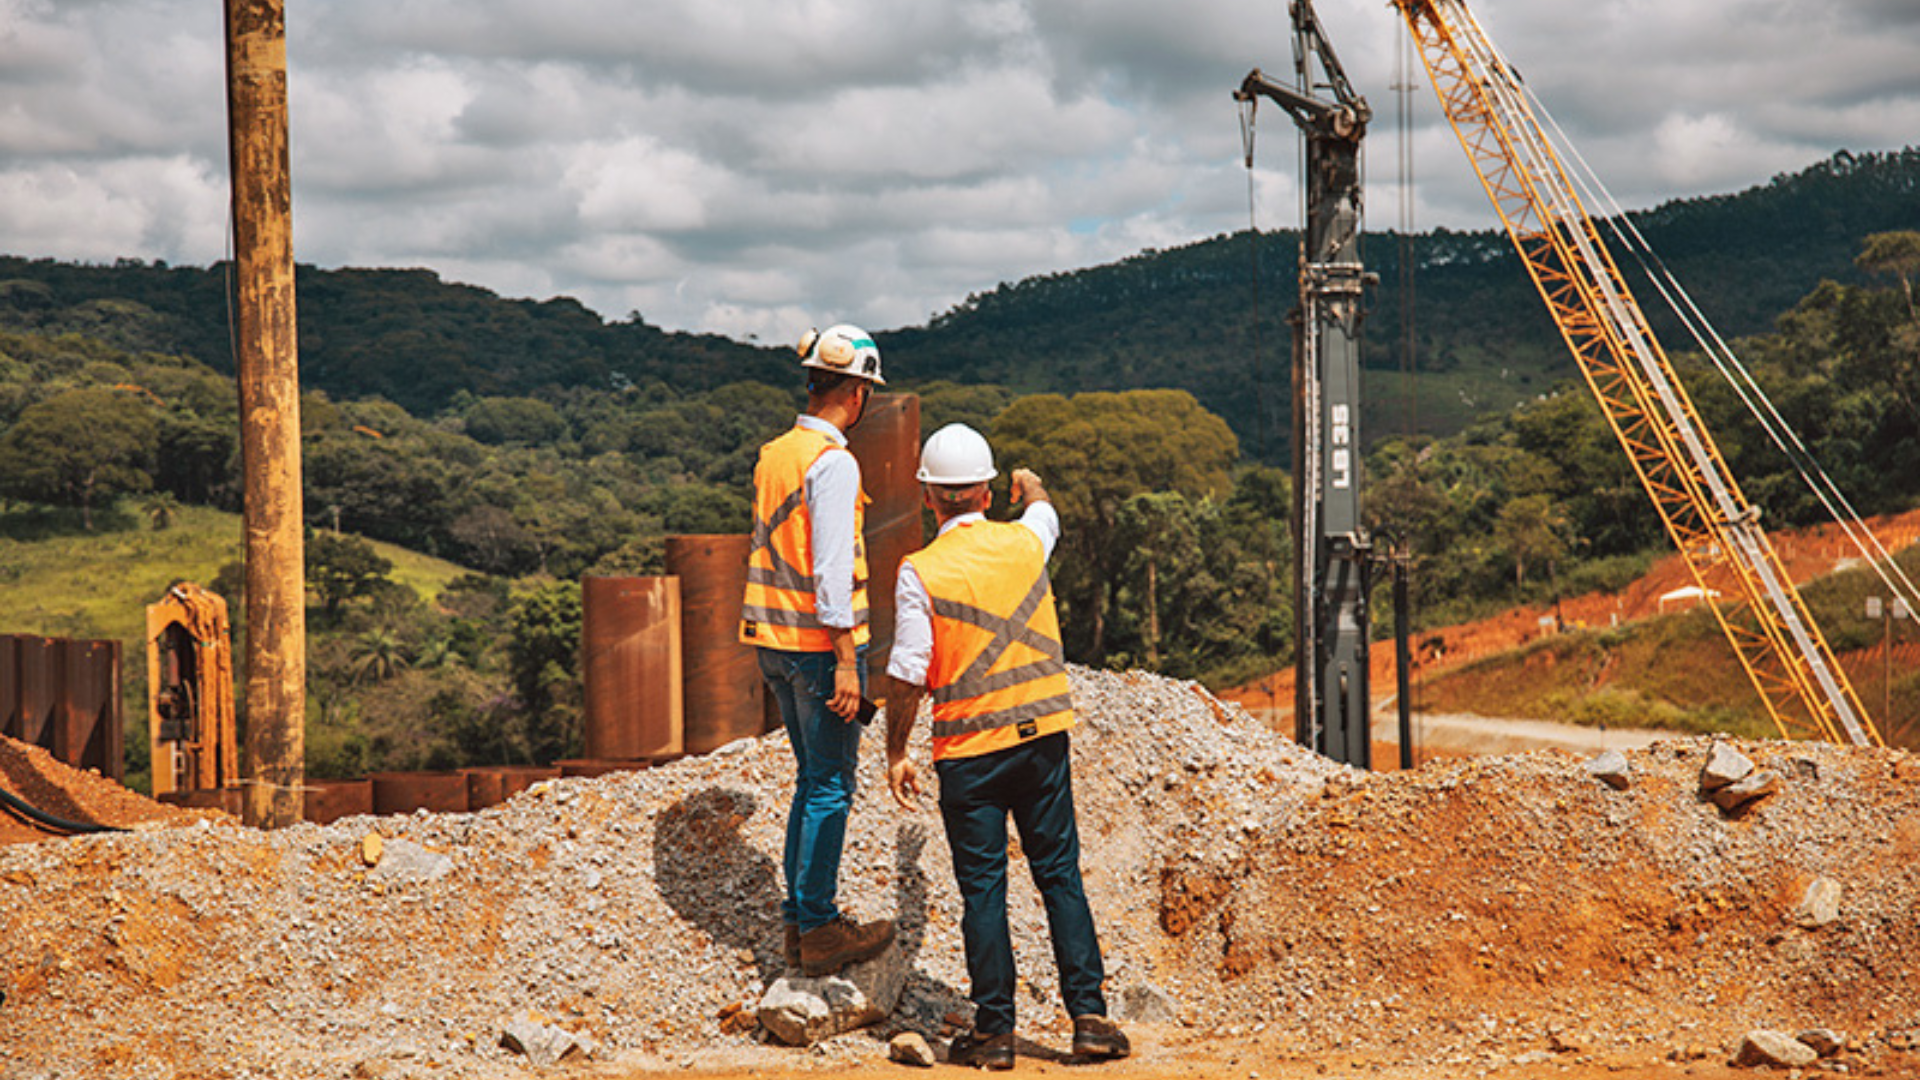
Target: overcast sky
752	167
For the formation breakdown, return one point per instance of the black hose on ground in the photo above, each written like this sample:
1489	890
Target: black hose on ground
41	817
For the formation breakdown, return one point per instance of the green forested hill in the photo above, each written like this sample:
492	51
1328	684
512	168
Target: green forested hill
533	442
1194	317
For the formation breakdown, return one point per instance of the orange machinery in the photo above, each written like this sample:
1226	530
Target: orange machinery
190	721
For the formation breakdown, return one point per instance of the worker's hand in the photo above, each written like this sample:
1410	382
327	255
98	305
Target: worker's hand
1025	483
846	692
903	779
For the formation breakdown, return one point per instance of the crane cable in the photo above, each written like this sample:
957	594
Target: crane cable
1737	375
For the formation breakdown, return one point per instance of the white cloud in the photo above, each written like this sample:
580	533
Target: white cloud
754	166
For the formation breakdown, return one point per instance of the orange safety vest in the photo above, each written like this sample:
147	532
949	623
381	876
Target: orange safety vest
779	611
997	675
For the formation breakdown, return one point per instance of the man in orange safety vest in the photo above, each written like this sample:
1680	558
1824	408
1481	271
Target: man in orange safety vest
975	628
805	610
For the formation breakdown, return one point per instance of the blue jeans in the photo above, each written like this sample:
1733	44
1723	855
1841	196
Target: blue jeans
1033	782
826	749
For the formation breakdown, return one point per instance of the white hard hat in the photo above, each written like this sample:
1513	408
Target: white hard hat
844	349
956	454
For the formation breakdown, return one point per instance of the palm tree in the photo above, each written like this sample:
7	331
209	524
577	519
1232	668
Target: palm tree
378	655
161	508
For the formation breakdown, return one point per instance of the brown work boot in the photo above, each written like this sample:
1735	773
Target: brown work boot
1099	1038
981	1051
791	950
826	949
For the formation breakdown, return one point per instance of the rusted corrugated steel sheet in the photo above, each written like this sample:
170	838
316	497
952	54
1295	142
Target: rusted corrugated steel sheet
63	696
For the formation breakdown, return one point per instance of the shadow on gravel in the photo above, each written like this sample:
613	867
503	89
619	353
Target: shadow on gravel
926	1001
717	881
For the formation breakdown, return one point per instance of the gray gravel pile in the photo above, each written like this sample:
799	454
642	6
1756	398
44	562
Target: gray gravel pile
635	911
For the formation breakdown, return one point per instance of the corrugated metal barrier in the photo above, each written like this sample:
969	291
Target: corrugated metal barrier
63	695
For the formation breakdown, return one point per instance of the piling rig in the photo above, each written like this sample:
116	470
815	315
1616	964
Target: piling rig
1332	551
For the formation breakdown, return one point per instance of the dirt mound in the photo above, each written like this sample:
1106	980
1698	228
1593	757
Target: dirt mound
1524	904
1248	894
61	791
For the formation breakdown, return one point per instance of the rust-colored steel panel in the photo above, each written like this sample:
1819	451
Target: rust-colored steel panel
227	800
721	688
405	792
10	721
600	766
887	443
88	723
328	801
630	646
39	691
491	785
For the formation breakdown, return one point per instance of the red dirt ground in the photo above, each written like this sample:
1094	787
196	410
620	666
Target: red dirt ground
1806	554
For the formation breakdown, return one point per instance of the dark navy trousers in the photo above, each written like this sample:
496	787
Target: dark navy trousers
1032	783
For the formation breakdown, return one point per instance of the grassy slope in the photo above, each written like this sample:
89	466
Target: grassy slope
98	584
1679	672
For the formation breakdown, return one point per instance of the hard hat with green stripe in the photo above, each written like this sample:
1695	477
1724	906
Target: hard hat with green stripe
844	349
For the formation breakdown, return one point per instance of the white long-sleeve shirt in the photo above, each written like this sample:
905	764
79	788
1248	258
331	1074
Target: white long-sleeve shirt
913	608
833	490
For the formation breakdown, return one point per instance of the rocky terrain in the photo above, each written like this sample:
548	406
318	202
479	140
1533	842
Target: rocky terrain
1520	915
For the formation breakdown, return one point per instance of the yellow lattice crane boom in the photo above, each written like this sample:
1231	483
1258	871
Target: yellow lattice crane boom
1711	522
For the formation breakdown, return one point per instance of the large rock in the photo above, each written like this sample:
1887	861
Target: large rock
407	863
1752	787
1143	1003
910	1048
1725	766
543	1044
1611	769
1775	1049
800	1011
1820	905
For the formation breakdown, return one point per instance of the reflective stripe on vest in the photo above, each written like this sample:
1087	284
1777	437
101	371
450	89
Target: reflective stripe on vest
779	608
997	675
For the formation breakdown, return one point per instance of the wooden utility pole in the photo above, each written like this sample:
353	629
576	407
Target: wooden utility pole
269	375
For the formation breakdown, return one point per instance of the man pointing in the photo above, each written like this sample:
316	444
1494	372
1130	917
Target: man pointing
975	628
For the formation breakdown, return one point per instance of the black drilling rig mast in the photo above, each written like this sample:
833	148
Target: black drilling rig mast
1332	552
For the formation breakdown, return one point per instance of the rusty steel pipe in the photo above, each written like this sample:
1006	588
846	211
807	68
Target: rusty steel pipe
328	801
266	360
721	689
886	442
405	792
631	661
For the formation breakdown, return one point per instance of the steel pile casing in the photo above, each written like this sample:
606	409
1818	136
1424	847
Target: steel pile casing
405	792
631	660
886	442
721	690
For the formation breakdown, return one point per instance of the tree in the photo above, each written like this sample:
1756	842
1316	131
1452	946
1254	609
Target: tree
378	655
1531	529
160	508
1095	451
543	660
1896	253
340	568
79	447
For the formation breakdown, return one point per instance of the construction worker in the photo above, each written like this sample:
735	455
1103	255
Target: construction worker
806	612
975	628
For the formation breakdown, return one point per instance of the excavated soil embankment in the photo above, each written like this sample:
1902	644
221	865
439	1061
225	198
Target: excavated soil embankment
1264	912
